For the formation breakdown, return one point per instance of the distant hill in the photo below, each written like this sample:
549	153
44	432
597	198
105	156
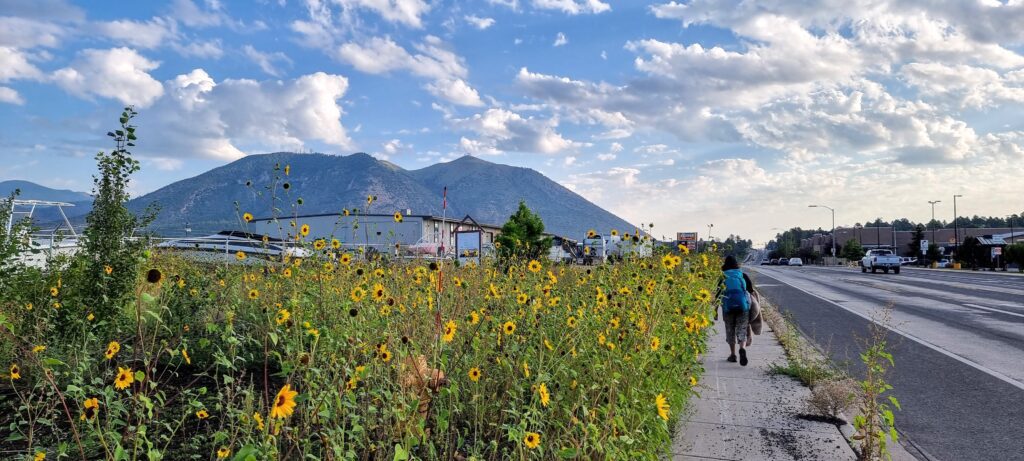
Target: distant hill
44	216
490	192
487	191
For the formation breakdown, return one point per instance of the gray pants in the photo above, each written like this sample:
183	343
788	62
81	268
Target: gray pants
735	326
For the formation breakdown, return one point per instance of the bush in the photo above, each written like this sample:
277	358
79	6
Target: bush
831	398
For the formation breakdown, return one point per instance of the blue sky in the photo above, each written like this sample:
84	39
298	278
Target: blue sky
729	112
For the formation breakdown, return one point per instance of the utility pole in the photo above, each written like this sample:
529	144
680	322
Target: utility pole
956	229
832	236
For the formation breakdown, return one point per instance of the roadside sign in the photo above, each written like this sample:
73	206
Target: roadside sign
996	251
924	245
688	238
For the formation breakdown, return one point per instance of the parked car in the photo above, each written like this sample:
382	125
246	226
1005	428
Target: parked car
796	262
784	261
907	261
774	262
944	263
880	259
765	262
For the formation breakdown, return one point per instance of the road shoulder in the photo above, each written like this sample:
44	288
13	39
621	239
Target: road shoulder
747	413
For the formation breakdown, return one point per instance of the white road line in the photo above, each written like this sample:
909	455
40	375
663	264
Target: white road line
1015	314
965	361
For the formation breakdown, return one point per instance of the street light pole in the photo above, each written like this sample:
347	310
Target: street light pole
709	234
933	202
832	237
956	229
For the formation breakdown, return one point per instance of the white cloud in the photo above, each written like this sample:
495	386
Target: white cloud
964	86
117	73
210	49
228	119
22	32
505	131
560	40
432	60
166	163
573	7
15	65
569	161
266	61
513	4
148	34
192	15
10	96
407	12
606	157
479	23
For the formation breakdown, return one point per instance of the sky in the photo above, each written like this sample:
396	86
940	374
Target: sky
683	114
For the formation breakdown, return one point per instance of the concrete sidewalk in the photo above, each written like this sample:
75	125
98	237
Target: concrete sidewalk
746	413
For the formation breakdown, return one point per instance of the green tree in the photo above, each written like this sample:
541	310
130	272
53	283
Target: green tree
915	244
1015	255
933	252
108	262
852	250
523	235
969	251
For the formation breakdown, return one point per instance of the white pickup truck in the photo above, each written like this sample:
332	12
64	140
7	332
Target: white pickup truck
880	259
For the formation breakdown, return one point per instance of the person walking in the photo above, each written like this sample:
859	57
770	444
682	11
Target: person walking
735	290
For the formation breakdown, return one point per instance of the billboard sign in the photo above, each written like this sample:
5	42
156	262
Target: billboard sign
687	238
467	246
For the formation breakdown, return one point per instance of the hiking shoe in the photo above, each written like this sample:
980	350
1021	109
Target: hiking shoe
732	358
743	357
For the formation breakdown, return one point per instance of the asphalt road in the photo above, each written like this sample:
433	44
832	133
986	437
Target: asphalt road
957	339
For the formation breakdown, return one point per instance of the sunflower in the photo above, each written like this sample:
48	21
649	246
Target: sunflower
474	318
223	452
345	212
40	456
398	217
385	355
319	244
287	272
284	403
240	255
703	295
259	420
474	374
521	298
662	405
570	322
684	249
346	258
615	232
304	230
655	343
534	266
526	369
125	378
109	270
335	243
449	331
254	294
591	233
112	349
545	397
378	292
247	217
282	316
693	381
54	291
668	262
38	349
493	292
184	355
532	440
370	199
15	371
357	294
91	407
509	327
202	414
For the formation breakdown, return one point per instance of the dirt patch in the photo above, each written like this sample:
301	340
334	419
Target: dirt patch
822	419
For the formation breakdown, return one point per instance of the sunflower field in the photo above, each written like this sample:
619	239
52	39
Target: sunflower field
317	358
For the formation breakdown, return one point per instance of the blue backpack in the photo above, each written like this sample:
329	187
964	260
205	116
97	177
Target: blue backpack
735	297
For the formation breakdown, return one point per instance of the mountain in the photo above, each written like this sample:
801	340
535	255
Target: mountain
45	216
488	192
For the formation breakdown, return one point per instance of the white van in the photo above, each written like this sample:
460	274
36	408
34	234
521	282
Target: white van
796	262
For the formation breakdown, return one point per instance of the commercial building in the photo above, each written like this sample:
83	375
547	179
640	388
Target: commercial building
379	231
886	237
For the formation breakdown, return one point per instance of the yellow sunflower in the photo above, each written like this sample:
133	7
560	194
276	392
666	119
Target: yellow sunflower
223	452
319	244
15	371
254	294
112	349
282	316
109	270
545	397
532	440
534	266
240	255
357	294
570	322
398	217
346	258
703	295
509	327
304	230
202	414
125	378
662	405
90	408
521	298
284	403
335	244
449	331
655	343
474	374
247	217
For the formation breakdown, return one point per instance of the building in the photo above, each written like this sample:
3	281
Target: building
886	237
379	231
